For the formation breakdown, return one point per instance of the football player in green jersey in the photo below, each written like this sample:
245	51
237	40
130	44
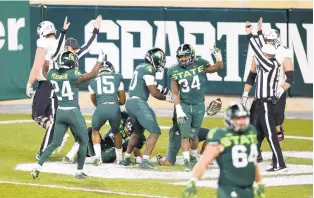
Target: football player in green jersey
107	93
235	150
142	84
188	79
65	81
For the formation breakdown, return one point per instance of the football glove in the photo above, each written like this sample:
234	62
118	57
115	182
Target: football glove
280	92
29	90
190	190
169	97
101	56
245	100
214	107
259	191
217	53
181	116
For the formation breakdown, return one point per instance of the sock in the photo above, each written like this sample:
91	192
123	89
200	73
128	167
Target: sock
38	167
73	150
97	150
79	171
186	155
138	159
127	155
146	157
194	153
119	154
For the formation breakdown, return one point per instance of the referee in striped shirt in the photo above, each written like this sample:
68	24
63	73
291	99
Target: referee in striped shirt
265	74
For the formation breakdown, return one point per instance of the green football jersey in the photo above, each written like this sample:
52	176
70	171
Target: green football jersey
237	161
191	81
64	84
138	85
106	87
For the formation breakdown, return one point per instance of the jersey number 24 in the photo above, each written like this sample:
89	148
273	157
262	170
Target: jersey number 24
66	90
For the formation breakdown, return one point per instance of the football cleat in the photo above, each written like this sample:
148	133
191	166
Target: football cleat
187	165
159	157
81	175
126	162
146	165
35	173
193	161
277	170
97	162
68	160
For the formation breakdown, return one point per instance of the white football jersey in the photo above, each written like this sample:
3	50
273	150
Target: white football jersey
281	54
50	44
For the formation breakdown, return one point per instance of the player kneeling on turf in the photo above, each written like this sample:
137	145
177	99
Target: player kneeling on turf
235	150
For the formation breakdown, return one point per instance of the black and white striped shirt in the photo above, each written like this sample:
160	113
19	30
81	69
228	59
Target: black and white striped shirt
267	69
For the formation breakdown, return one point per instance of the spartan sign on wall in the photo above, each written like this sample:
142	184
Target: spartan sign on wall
169	30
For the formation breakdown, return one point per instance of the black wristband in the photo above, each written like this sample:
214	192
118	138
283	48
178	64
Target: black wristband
95	31
259	32
63	31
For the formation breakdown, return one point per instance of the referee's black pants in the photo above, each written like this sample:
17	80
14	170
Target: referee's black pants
263	118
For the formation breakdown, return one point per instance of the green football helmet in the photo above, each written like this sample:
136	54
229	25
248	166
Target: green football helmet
108	155
234	111
67	60
156	57
107	66
185	55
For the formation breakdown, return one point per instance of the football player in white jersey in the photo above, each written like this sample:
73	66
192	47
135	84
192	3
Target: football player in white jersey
43	101
286	78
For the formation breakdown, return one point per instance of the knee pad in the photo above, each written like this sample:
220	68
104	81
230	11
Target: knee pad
194	133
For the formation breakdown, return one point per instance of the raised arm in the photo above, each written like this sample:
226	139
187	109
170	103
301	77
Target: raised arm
261	58
86	77
219	64
87	46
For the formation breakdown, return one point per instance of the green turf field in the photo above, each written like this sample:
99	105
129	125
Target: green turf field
21	141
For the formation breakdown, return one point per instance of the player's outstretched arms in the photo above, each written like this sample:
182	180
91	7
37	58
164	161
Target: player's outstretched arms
86	77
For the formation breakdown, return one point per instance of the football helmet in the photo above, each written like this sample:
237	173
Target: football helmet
67	60
156	57
272	36
236	110
45	28
107	66
185	55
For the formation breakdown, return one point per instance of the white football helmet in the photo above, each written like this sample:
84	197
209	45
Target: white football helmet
45	28
272	36
269	49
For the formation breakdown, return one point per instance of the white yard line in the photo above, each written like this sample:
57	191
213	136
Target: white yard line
162	127
79	189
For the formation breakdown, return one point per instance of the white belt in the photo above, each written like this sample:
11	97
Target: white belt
134	97
108	103
66	108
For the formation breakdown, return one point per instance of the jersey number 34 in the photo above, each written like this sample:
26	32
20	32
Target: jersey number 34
240	158
185	84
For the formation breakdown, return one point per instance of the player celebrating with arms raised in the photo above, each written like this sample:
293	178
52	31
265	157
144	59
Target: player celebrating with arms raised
235	150
188	92
65	81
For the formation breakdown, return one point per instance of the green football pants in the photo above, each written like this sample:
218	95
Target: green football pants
64	119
